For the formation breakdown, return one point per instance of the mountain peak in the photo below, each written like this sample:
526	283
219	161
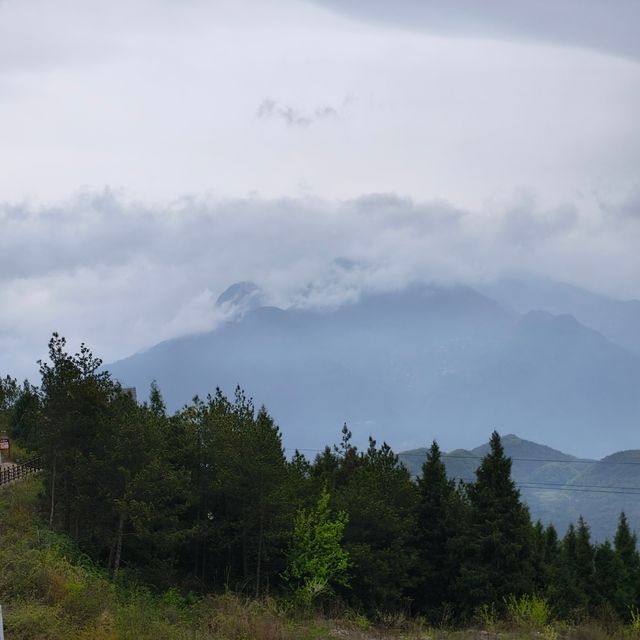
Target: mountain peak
240	298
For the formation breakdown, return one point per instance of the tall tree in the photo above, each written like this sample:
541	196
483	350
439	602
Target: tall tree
377	493
75	394
626	548
497	541
440	515
607	588
25	418
9	392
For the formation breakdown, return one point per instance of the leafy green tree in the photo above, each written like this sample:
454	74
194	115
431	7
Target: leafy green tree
318	562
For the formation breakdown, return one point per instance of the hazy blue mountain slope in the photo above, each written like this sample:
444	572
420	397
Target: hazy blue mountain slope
549	378
408	366
618	320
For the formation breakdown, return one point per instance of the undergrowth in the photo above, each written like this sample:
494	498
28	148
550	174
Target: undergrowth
50	591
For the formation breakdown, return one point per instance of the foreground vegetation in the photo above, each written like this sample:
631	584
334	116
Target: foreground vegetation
197	523
51	591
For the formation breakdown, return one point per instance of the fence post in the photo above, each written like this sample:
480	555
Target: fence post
1	625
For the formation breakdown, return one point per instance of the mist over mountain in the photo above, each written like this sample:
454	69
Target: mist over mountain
411	365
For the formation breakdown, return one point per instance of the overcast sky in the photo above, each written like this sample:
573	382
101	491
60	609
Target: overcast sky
154	151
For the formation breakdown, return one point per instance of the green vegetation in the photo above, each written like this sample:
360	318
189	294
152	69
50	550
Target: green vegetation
317	560
145	524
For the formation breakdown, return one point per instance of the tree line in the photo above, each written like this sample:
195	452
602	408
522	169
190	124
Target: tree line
206	499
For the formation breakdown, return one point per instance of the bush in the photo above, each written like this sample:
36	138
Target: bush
528	611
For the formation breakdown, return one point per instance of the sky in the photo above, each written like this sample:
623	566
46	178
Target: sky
152	152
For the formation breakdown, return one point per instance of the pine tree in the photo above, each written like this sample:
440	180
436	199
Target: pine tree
607	591
497	542
9	393
584	557
440	512
377	493
569	596
625	544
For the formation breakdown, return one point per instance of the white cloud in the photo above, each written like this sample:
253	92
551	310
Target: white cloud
121	274
160	98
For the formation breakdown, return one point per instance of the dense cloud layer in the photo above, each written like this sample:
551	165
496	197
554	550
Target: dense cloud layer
513	135
122	274
287	98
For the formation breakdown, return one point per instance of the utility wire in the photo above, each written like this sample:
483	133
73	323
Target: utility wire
455	456
533	485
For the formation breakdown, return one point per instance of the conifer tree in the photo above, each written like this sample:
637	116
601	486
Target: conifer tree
497	542
568	593
377	493
625	545
584	557
440	514
607	591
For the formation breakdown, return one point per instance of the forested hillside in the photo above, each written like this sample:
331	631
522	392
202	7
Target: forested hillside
205	500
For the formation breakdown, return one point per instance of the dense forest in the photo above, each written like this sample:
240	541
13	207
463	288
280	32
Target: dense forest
208	500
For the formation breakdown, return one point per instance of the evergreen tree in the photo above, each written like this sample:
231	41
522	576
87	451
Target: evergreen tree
440	514
607	590
584	560
625	544
9	393
377	493
25	418
568	594
497	542
74	395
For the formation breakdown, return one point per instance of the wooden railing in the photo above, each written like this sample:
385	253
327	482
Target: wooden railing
19	471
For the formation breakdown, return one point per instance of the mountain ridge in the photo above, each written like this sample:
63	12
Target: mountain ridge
406	366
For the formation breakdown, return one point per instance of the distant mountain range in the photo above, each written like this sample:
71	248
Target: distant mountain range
558	487
617	320
545	360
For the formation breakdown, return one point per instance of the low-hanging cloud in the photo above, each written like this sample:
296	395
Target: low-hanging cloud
123	274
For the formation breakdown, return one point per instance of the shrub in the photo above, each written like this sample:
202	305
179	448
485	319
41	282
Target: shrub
529	611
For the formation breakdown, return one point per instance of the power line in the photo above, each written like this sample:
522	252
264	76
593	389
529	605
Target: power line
538	486
455	456
544	486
